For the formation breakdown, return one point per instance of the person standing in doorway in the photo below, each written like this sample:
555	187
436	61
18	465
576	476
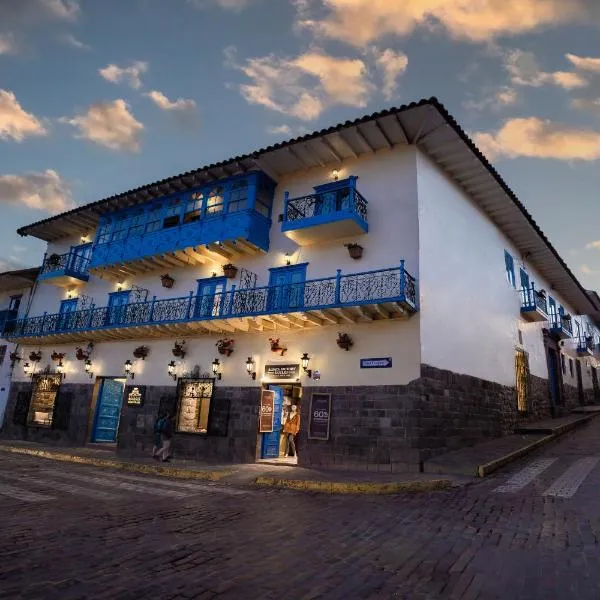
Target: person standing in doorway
157	438
166	433
290	429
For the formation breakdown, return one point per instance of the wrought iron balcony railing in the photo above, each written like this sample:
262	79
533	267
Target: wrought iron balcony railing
342	200
585	344
372	287
74	264
560	322
532	299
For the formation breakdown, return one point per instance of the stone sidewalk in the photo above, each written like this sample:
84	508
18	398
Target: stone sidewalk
283	476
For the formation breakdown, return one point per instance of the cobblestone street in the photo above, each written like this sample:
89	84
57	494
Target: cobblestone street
80	532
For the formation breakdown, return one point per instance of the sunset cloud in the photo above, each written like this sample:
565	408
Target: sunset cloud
130	75
7	44
181	104
592	106
41	191
71	40
360	22
306	85
235	5
536	138
15	122
109	124
586	63
392	64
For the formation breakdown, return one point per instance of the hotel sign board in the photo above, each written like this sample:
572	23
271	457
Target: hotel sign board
282	371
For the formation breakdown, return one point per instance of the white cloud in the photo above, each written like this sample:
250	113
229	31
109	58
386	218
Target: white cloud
535	138
585	270
67	10
392	64
131	74
71	40
285	129
592	106
41	191
585	63
595	245
15	122
306	85
7	43
181	104
496	99
524	70
360	22
235	5
109	124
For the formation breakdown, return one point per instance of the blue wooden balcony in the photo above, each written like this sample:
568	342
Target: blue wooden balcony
561	326
585	346
219	222
534	306
67	270
336	210
373	295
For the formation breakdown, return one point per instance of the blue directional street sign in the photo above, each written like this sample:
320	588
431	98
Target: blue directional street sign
376	363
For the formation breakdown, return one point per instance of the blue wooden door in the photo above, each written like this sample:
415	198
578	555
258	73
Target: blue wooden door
65	317
286	288
108	410
553	378
211	297
270	441
79	258
117	303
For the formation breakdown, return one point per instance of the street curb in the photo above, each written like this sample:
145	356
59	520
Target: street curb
352	487
488	468
173	472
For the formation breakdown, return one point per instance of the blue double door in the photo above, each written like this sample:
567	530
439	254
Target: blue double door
270	440
108	410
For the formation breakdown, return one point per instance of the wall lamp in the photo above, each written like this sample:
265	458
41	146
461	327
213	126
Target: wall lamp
216	365
171	370
335	174
88	368
60	369
128	371
304	360
27	369
250	368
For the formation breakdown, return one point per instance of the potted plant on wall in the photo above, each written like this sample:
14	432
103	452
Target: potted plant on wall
354	250
81	354
344	341
35	356
276	347
230	271
57	356
178	349
166	280
54	259
225	346
141	352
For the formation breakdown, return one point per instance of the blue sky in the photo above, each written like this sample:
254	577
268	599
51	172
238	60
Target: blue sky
100	97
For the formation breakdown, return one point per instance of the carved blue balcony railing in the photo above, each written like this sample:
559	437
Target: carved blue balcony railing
585	345
67	269
534	306
393	285
224	211
561	325
335	210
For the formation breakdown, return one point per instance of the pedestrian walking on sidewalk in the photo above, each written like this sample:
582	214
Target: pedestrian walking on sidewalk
157	429
166	433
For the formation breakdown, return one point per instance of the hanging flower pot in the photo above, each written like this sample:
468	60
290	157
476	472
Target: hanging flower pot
178	349
57	356
35	356
225	346
344	341
141	352
355	250
230	271
276	347
166	280
81	354
54	260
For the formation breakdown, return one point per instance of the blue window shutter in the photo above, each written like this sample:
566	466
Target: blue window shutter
524	277
510	268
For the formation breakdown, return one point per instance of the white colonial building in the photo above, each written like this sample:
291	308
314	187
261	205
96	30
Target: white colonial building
379	276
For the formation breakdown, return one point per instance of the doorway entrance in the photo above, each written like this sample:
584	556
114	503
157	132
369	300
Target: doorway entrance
108	410
281	444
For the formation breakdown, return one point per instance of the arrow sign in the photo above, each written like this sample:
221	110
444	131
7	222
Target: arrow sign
376	363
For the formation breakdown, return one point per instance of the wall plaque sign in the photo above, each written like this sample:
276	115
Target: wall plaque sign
135	397
376	363
267	402
282	371
319	417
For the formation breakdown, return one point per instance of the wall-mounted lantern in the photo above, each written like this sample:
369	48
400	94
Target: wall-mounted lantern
335	174
216	366
250	368
60	369
304	360
27	369
128	371
88	368
171	370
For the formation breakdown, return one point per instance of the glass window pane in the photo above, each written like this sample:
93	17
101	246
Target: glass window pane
214	202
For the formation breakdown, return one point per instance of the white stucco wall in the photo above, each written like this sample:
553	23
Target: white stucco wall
388	181
470	314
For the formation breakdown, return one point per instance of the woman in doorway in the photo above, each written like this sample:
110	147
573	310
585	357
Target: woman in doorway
290	429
